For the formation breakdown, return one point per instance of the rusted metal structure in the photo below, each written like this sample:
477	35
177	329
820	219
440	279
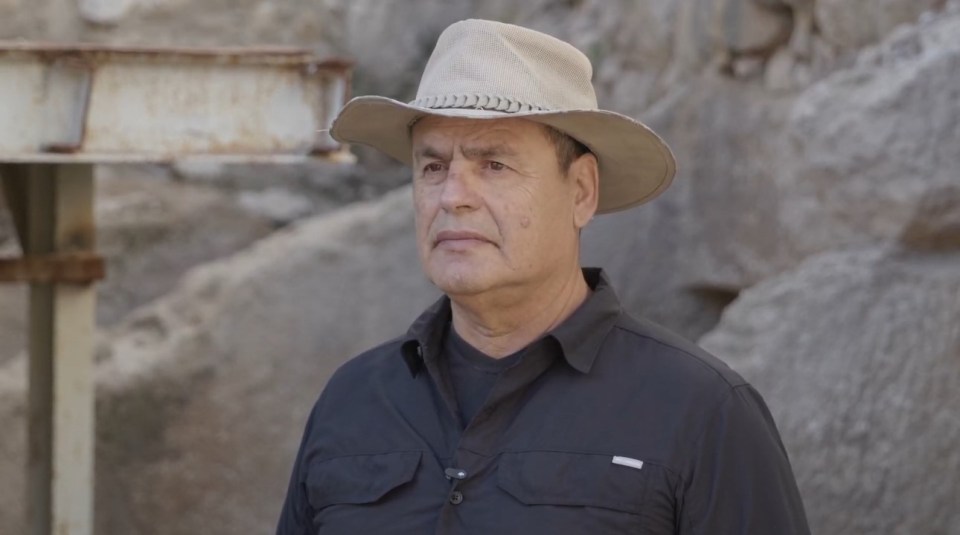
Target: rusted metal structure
64	108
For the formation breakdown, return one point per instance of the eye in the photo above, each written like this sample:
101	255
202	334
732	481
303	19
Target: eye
433	167
496	166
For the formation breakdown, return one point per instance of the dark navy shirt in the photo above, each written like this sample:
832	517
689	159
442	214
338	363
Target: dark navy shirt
607	424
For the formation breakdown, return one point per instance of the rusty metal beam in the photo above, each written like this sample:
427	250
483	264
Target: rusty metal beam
91	103
75	268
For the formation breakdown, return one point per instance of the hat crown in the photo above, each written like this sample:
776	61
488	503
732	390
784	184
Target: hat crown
496	66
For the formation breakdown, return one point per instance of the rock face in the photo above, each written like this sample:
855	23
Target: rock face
867	144
681	270
732	26
858	354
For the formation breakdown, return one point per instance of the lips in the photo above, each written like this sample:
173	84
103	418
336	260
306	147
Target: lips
459	237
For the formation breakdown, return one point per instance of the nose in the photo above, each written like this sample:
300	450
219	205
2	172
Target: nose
459	192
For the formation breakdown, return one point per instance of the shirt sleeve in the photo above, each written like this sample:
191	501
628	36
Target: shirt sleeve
740	480
295	515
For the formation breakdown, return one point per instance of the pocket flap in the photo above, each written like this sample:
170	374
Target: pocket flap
359	478
578	479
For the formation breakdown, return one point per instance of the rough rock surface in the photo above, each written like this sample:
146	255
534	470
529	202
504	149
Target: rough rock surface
855	23
867	144
731	26
681	270
858	355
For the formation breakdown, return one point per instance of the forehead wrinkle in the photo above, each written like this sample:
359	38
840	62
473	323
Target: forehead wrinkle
429	152
484	152
472	138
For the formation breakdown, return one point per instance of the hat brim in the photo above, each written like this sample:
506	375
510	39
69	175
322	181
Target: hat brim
635	164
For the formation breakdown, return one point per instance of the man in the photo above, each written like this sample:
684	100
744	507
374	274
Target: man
526	400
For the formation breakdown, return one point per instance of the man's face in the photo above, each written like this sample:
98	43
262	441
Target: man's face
493	208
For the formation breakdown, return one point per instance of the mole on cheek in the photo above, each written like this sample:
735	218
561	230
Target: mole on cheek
524	222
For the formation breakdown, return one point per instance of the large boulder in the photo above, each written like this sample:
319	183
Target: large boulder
858	356
865	145
680	259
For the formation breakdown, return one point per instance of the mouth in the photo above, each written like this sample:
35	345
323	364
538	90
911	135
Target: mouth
459	238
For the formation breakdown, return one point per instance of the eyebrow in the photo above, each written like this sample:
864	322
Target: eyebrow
471	153
428	153
485	153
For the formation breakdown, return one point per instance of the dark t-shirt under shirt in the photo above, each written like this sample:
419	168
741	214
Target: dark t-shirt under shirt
472	373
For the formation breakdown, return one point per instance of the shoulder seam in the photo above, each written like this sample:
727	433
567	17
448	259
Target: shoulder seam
696	358
394	340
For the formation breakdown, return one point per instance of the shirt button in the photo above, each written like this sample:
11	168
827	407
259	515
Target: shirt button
456	497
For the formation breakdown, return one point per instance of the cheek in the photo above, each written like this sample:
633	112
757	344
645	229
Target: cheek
424	212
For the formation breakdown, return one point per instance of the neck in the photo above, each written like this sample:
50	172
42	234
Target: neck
500	325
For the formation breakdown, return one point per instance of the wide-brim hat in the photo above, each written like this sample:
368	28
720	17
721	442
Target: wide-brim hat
490	70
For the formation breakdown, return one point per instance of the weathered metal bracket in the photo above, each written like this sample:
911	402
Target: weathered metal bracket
64	268
67	100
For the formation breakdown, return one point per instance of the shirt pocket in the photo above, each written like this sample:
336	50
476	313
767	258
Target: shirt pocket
359	479
572	479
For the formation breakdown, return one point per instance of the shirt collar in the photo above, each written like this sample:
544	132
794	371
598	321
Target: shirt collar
424	339
579	336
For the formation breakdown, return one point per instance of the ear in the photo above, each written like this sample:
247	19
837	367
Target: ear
585	175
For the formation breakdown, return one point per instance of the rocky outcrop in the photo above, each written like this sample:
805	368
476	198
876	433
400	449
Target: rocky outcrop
767	179
866	145
858	356
680	259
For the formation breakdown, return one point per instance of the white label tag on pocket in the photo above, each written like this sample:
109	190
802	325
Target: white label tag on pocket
627	461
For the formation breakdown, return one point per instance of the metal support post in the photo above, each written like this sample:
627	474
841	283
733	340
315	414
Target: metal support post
52	207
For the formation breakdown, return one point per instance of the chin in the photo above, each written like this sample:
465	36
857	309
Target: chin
461	280
456	285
